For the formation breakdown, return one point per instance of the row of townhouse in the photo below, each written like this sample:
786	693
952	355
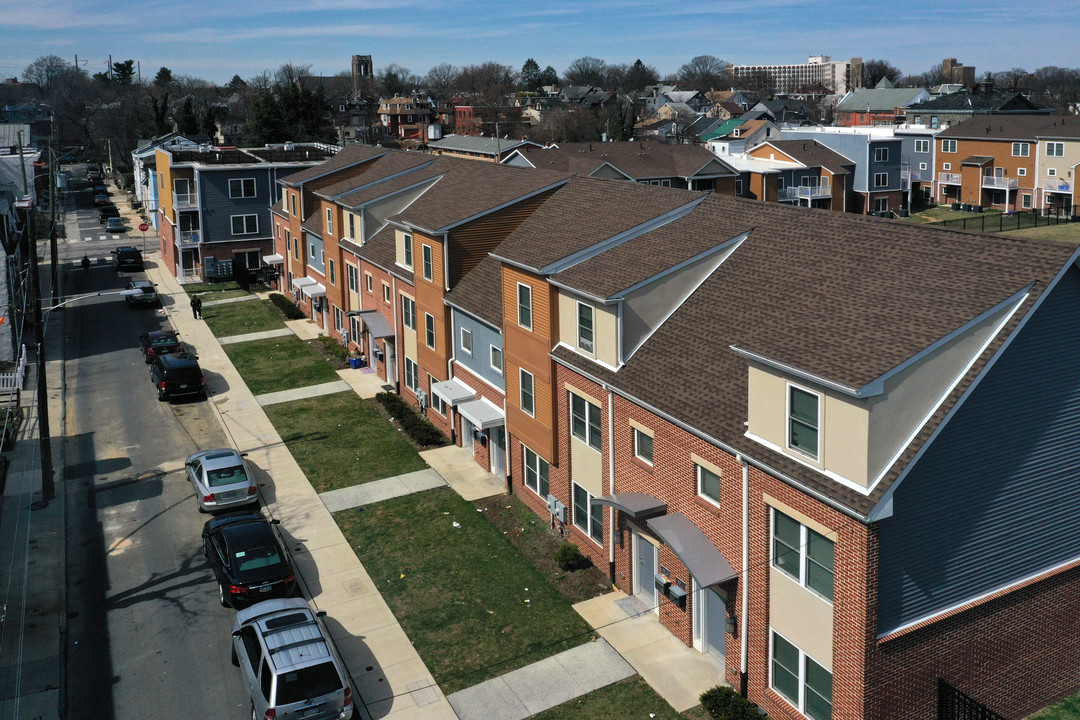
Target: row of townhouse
834	453
1010	162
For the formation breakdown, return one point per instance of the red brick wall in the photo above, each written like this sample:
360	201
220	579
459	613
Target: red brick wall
169	253
480	452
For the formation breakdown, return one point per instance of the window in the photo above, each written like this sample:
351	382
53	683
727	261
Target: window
245	224
295	245
738	188
528	397
881	154
1022	172
536	473
354	329
1055	149
803	554
643	446
922	166
881	204
368	282
241	188
339	319
585	327
1021	149
408	250
386	293
293	197
588	517
934	122
331	271
412	376
803	421
466	341
524	306
708	484
429	330
585	421
351	273
329	221
1051	172
922	146
437	402
800	680
946	166
1025	201
428	270
881	180
408	312
352	225
948	146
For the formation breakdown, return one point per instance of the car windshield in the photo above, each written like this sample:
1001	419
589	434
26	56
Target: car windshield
307	683
255	558
164	341
225	476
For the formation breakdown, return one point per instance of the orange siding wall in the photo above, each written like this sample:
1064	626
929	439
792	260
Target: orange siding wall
429	300
529	350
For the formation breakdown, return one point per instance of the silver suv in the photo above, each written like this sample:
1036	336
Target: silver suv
288	663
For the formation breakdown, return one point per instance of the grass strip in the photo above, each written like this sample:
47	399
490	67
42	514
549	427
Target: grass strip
279	363
240	318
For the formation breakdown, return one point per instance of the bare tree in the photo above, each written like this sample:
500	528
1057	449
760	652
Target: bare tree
585	71
1015	79
441	79
395	80
931	78
1057	86
703	73
489	83
45	71
874	70
580	125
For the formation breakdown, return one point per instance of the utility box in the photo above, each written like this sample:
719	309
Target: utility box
663	585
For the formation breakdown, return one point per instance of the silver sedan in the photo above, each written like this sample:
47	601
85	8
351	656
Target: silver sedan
222	479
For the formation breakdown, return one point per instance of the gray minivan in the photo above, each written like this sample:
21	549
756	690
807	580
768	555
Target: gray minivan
288	664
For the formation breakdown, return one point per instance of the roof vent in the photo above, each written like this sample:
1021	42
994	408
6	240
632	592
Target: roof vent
290	146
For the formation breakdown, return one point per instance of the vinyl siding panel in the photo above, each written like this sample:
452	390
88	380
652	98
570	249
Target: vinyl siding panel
529	350
995	498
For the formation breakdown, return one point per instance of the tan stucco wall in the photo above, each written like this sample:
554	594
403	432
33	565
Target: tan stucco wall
802	617
605	328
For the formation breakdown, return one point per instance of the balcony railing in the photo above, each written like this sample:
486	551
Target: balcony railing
907	175
188	238
1000	183
804	192
1057	186
185	201
949	178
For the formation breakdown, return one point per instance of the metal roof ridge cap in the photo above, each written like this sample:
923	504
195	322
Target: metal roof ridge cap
797	372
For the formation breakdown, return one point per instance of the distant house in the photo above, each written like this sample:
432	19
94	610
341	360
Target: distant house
585	96
799	172
880	105
785	110
950	109
739	135
410	118
492	149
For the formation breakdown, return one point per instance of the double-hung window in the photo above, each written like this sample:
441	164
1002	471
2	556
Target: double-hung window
407	250
585	327
881	180
588	517
643	446
386	293
429	330
524	314
245	224
881	154
1021	149
803	554
528	392
408	312
803	420
799	679
496	359
536	473
329	221
429	271
412	374
708	484
1055	149
585	421
241	188
331	271
351	273
466	341
948	146
352	226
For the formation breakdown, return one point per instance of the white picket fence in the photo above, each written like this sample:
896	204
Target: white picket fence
12	382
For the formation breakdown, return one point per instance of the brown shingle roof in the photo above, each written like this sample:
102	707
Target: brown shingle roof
639	160
379	249
1013	127
382	188
811	153
584	212
349	155
479	293
376	170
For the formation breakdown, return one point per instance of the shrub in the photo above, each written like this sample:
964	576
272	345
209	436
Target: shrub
570	559
334	348
287	307
418	428
723	703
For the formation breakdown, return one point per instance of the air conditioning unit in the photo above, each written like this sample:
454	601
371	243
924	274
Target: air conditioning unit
552	501
556	508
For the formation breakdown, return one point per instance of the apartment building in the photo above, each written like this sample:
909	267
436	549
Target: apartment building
840	76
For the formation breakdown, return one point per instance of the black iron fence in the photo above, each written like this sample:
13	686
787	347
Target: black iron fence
1017	220
955	705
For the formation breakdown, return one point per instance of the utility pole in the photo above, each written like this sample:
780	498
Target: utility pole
22	165
53	233
48	491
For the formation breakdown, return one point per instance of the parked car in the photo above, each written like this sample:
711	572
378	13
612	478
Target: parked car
114	224
177	376
249	563
288	664
159	342
101	199
147	296
107	211
221	479
128	258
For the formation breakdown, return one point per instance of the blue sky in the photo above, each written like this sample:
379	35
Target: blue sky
214	41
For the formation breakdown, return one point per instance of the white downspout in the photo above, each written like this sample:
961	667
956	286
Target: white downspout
611	483
745	585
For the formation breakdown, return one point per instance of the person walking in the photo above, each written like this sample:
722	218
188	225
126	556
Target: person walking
196	307
86	265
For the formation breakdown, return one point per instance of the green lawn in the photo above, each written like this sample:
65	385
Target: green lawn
470	602
945	212
279	363
1067	709
240	318
1068	232
631	699
219	290
341	440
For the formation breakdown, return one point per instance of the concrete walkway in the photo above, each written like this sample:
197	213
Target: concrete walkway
300	393
378	490
543	685
226	301
248	337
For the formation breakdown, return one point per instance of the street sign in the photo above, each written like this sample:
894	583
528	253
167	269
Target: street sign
143	227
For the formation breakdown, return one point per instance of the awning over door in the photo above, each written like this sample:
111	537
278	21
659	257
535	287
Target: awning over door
274	259
634	504
696	551
299	282
314	290
376	324
482	413
453	391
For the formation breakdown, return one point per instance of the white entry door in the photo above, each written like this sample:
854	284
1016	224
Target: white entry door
467	430
645	569
710	622
498	450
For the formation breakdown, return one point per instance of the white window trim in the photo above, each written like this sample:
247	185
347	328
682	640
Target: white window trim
525	451
1051	172
800	676
429	263
592	329
429	330
804	554
587	439
1021	149
329	221
922	146
697	479
406	251
948	146
243	193
1055	149
386	294
331	271
587	530
946	166
491	359
461	341
637	452
407	302
881	155
528	288
409	362
522	372
787	423
232	224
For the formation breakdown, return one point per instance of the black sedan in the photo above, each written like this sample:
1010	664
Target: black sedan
159	342
249	563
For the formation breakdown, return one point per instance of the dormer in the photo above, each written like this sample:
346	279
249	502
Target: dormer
403	248
854	435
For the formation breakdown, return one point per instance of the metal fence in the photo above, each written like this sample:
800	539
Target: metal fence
955	705
1017	220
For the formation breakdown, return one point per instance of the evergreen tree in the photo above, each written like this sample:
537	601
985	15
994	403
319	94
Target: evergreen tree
187	123
530	76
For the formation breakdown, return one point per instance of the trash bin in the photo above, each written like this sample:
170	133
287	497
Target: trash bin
967	207
355	363
956	206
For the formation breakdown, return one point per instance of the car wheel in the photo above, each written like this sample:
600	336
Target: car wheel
234	658
221	595
254	715
161	395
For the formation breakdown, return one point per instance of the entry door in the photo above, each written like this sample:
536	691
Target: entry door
710	623
645	569
467	430
498	450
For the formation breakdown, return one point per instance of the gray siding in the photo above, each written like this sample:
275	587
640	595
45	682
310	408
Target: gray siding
483	337
218	207
996	498
313	246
